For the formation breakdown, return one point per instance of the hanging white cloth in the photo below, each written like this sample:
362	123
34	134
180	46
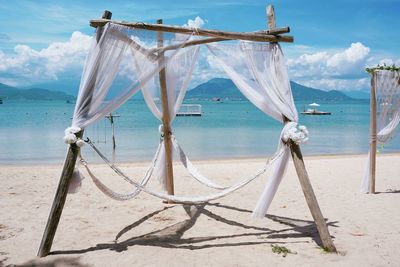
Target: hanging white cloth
387	91
178	72
110	58
258	70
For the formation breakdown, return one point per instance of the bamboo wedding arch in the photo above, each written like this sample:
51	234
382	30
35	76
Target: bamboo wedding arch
271	35
384	116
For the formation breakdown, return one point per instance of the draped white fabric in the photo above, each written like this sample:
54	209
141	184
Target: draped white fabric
178	72
109	58
258	70
387	92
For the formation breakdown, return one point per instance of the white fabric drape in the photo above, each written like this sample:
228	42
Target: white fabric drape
258	70
387	91
109	58
178	72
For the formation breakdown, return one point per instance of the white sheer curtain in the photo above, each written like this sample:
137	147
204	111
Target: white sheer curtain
258	70
387	92
108	59
178	73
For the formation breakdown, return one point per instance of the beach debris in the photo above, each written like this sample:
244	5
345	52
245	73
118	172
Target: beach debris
357	234
282	250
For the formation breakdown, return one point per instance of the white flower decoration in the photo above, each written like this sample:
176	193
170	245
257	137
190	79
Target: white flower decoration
298	134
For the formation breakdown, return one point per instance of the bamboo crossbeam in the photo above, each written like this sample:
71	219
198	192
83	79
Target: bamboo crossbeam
261	36
188	43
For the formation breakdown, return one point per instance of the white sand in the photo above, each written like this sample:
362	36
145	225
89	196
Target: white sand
365	228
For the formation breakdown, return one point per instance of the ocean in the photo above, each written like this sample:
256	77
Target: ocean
31	132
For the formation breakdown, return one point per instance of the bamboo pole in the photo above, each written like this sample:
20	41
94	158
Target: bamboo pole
262	36
113	130
188	43
310	198
62	190
165	118
372	158
302	173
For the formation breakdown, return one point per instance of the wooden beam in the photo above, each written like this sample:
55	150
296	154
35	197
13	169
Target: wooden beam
59	199
188	43
165	118
310	198
271	17
301	171
262	36
65	179
373	130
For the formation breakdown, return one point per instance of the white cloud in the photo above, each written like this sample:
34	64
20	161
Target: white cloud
357	52
338	70
338	84
32	66
196	23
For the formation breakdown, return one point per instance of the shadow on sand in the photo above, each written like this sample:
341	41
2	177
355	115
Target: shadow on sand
171	236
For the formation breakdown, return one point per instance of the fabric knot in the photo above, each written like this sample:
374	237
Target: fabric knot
70	136
297	133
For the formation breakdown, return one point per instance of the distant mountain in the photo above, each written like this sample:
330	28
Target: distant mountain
216	88
304	93
225	88
14	93
357	94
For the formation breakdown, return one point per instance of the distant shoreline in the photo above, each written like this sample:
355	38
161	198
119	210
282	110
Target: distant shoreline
141	163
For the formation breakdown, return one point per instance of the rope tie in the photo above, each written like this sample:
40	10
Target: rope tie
373	137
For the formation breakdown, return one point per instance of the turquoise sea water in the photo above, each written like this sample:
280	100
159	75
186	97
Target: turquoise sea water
31	132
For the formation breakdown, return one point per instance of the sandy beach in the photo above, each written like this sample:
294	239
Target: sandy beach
97	231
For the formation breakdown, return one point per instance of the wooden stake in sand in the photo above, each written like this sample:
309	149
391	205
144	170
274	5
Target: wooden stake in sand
302	172
165	118
372	158
65	179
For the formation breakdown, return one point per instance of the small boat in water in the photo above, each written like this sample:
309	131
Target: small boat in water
189	110
314	111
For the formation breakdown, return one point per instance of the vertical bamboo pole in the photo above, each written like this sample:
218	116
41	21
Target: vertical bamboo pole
166	118
302	173
113	130
372	158
62	190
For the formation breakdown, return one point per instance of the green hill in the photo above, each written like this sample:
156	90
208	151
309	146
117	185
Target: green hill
13	93
226	89
216	88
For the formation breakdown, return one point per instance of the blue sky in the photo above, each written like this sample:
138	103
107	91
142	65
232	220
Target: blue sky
43	43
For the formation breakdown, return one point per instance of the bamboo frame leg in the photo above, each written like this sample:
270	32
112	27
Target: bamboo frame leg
372	158
302	172
62	190
311	199
59	199
166	118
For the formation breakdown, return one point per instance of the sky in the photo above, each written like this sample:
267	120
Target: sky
44	43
